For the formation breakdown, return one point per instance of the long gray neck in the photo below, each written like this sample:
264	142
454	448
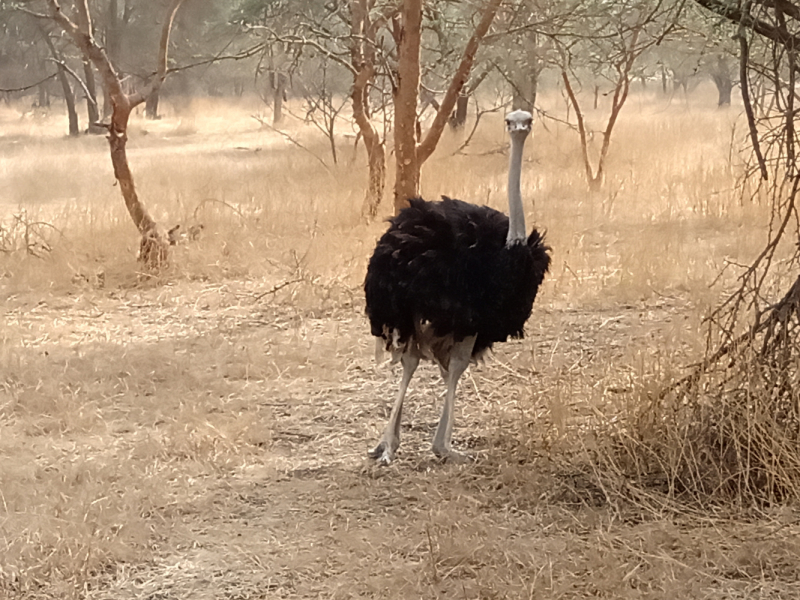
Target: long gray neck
516	216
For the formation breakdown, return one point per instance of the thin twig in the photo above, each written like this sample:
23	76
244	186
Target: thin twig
27	87
289	138
276	288
478	114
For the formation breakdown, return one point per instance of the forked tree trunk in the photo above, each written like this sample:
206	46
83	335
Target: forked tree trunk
154	247
409	155
622	86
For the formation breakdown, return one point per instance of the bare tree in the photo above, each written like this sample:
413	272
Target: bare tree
721	70
622	64
619	36
154	245
409	153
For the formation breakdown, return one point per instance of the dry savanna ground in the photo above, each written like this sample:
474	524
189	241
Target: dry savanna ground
203	435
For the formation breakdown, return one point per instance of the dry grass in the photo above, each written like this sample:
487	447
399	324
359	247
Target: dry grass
204	435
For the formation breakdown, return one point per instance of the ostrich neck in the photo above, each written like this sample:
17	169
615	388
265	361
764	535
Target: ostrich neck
516	216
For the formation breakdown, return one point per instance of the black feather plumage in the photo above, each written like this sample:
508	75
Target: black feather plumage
447	263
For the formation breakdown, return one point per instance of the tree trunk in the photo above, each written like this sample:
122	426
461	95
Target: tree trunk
724	93
721	75
113	44
151	107
153	248
330	133
91	97
44	96
526	68
526	84
409	36
279	83
377	178
534	89
520	100
525	94
459	117
362	53
724	89
69	99
108	105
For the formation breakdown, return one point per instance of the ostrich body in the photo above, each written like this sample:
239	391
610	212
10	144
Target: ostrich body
449	279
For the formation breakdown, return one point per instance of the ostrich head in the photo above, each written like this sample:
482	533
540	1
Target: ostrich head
518	124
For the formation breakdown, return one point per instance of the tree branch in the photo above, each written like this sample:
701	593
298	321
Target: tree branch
76	77
163	51
87	45
428	145
748	105
581	126
27	87
733	13
296	39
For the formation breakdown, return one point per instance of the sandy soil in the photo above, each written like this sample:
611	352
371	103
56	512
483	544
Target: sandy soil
264	412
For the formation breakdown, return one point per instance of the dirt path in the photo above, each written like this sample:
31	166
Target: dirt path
251	419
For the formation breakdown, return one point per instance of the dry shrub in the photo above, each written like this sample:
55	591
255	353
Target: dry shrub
729	432
23	234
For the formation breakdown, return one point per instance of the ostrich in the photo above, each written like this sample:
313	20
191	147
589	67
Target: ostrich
446	281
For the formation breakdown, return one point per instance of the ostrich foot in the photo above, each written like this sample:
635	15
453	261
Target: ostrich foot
383	453
451	456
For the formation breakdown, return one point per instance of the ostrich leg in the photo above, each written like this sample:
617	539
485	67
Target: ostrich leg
460	357
384	451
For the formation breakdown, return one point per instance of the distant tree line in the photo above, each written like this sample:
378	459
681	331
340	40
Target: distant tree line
401	71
